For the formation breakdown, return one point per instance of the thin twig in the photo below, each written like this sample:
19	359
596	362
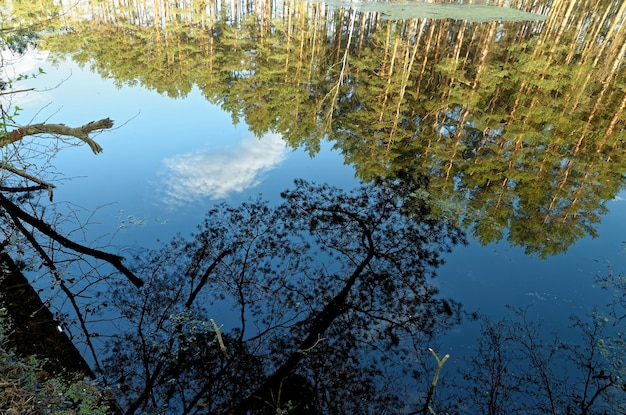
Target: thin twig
17	91
219	338
319	339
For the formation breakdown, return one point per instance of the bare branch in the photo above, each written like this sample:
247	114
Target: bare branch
219	338
82	133
115	260
25	175
16	91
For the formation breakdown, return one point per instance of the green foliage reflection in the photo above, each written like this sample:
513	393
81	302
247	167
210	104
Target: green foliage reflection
519	124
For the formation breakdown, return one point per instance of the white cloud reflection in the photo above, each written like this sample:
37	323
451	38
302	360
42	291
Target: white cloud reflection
216	174
27	64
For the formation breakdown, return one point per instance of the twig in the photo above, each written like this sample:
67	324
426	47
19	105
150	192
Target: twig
433	385
25	175
17	91
319	339
219	338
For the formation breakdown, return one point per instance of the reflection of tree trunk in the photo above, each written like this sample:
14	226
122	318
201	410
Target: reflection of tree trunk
455	56
594	38
304	36
316	20
460	128
338	30
157	17
582	185
407	68
334	93
614	37
383	64
615	30
362	30
425	61
389	75
556	20
321	322
558	190
600	98
487	43
502	192
35	329
288	35
614	119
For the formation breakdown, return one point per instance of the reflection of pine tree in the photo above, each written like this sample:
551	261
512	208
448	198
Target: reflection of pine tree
505	119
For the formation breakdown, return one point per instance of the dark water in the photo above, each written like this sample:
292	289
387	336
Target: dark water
518	136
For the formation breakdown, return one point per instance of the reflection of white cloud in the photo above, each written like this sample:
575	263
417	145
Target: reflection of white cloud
27	64
14	64
189	177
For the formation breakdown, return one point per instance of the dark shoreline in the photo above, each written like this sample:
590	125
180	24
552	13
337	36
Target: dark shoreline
34	329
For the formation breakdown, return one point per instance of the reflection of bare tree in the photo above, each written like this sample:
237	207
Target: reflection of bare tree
329	290
20	217
517	370
47	251
613	346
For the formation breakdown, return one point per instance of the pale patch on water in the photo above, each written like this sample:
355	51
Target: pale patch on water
20	70
403	9
215	174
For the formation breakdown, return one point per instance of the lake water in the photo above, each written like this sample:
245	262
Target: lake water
515	133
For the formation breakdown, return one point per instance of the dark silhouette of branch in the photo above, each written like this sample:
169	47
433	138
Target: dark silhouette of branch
16	213
322	322
42	184
205	277
52	267
23	189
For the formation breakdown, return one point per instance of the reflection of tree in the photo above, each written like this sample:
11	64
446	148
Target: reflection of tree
32	231
519	124
331	298
330	287
612	346
515	369
23	21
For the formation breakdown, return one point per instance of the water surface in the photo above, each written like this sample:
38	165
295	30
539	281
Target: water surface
516	125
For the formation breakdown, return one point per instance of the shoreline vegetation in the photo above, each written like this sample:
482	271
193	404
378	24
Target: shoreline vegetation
41	370
34	328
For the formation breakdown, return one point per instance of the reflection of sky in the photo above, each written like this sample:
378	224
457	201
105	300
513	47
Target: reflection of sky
28	64
216	174
156	145
160	150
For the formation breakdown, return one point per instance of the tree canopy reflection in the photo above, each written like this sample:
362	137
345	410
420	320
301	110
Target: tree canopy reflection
330	290
520	124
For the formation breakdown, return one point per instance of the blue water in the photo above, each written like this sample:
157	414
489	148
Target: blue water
169	160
